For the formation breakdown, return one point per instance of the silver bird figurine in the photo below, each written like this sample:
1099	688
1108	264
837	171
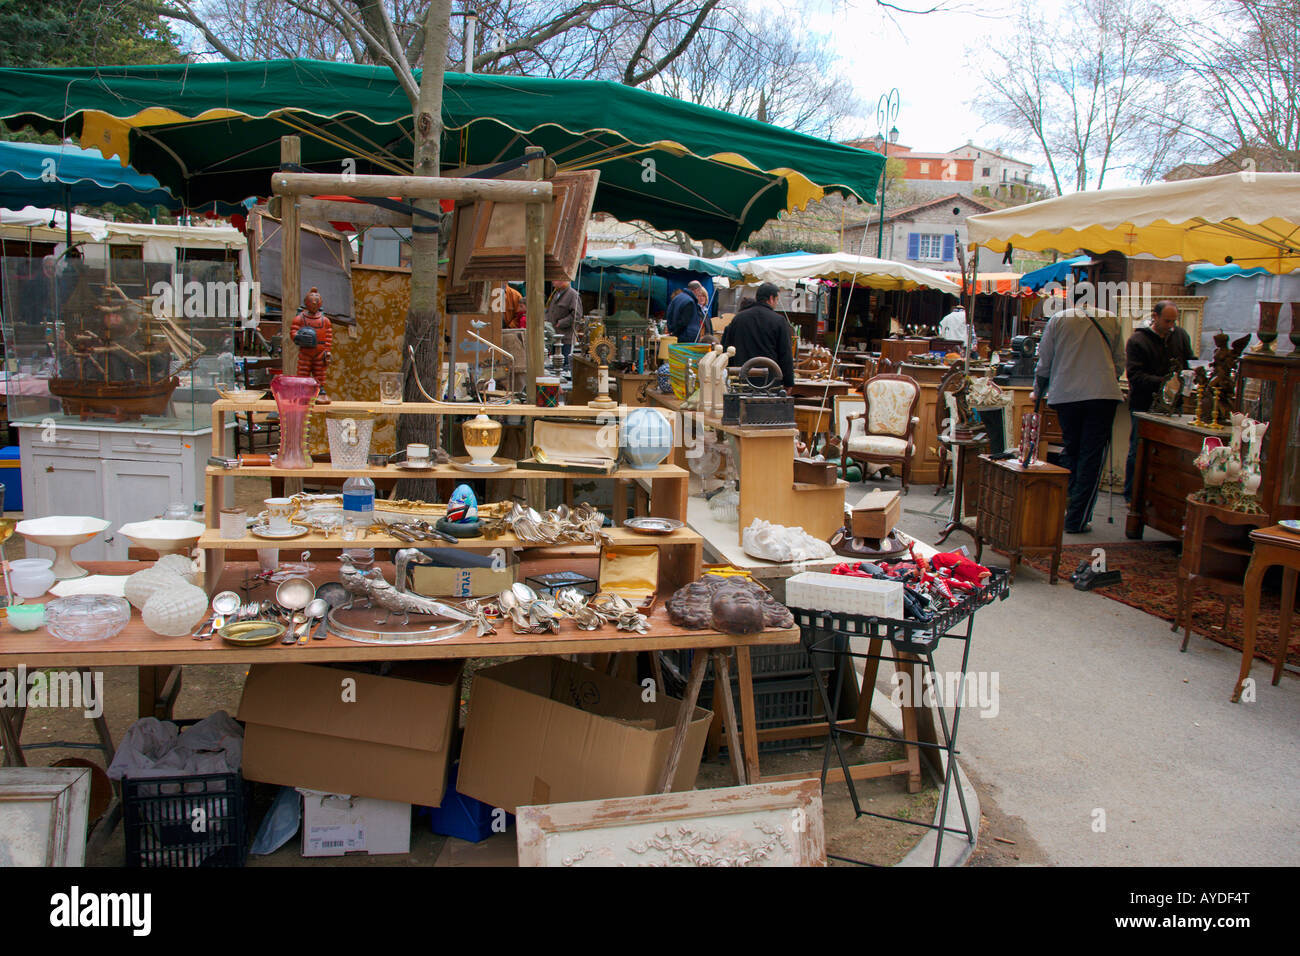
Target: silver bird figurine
405	603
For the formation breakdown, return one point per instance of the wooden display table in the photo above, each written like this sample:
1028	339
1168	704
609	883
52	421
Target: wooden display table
159	657
765	459
1164	474
1216	551
820	390
1273	545
1021	509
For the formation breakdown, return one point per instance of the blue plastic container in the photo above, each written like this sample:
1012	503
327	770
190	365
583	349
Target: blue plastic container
460	816
11	478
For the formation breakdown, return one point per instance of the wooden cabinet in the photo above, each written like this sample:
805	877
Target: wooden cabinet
121	474
1021	509
1164	474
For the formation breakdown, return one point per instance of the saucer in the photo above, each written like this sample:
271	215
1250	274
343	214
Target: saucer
1291	524
263	529
410	466
649	525
496	465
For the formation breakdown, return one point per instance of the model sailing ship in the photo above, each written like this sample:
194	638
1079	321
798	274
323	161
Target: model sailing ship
115	355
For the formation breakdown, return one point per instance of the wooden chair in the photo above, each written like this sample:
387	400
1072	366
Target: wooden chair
886	433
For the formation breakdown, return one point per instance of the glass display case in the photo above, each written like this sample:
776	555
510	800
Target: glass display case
118	341
1268	390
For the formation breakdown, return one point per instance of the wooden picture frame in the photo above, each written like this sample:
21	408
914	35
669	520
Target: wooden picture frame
43	813
495	232
846	405
463	296
766	824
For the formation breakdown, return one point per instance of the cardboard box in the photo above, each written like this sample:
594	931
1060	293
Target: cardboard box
545	730
876	514
817	591
462	582
337	825
384	737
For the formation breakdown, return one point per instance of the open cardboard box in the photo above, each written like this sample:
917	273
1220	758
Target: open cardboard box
546	730
346	731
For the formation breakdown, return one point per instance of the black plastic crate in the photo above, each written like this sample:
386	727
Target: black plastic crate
159	815
190	821
769	660
779	703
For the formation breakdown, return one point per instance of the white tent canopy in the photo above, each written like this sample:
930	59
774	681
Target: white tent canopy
1252	219
861	270
33	224
660	259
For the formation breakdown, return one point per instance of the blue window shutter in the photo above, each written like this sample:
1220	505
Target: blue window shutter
913	245
949	248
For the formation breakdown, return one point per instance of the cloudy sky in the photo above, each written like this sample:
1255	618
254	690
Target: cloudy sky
924	56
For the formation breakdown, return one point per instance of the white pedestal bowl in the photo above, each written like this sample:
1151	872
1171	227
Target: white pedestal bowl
62	533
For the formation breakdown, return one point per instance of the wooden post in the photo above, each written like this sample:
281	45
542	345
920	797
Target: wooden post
290	264
535	305
535	275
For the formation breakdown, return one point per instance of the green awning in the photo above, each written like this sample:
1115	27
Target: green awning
211	131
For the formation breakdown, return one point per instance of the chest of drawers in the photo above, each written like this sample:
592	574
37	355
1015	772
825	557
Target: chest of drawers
1021	510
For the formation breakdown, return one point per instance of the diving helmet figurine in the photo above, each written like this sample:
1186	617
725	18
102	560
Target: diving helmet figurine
314	336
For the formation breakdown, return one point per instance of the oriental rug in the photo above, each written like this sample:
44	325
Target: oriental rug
1150	576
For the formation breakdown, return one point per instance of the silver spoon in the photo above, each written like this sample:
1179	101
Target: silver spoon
316	611
224	604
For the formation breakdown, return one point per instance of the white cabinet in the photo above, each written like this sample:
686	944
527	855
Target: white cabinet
121	474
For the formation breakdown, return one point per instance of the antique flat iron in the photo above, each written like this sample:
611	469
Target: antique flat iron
758	405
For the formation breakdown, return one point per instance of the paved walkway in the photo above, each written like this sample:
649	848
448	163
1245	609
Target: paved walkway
1098	711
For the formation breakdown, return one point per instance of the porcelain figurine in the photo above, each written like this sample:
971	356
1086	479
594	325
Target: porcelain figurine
314	335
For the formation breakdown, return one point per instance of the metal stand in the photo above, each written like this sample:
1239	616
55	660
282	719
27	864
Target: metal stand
830	633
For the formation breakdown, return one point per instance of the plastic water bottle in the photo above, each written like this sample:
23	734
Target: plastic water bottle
359	506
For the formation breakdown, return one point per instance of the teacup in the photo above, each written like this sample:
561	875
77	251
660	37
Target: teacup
417	455
279	511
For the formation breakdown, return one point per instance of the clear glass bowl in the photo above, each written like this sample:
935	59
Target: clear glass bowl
86	617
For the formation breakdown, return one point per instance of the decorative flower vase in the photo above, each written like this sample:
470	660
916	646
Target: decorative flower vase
1268	312
1294	334
647	438
293	398
482	437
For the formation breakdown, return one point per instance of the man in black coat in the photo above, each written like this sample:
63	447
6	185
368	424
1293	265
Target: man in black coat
762	331
1154	351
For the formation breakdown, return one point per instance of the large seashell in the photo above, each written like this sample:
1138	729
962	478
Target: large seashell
141	585
174	611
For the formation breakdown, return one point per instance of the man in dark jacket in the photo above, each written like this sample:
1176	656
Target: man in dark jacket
1155	351
686	318
762	331
563	310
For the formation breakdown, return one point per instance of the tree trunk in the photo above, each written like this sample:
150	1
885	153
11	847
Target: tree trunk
424	323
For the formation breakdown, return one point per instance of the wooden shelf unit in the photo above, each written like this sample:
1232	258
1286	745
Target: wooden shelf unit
681	560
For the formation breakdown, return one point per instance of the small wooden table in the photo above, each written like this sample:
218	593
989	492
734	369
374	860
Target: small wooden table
1273	545
1021	509
1216	549
820	389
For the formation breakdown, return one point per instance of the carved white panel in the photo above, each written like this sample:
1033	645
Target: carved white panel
770	824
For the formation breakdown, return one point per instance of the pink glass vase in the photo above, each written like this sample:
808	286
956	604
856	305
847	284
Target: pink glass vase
293	397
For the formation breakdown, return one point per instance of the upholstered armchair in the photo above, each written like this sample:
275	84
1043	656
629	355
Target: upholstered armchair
883	433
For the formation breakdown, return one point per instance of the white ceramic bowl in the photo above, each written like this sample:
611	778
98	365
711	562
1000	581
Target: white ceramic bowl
166	536
62	533
31	577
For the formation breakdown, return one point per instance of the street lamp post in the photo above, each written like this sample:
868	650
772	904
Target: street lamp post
886	115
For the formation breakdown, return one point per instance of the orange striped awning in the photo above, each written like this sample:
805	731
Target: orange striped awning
992	283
